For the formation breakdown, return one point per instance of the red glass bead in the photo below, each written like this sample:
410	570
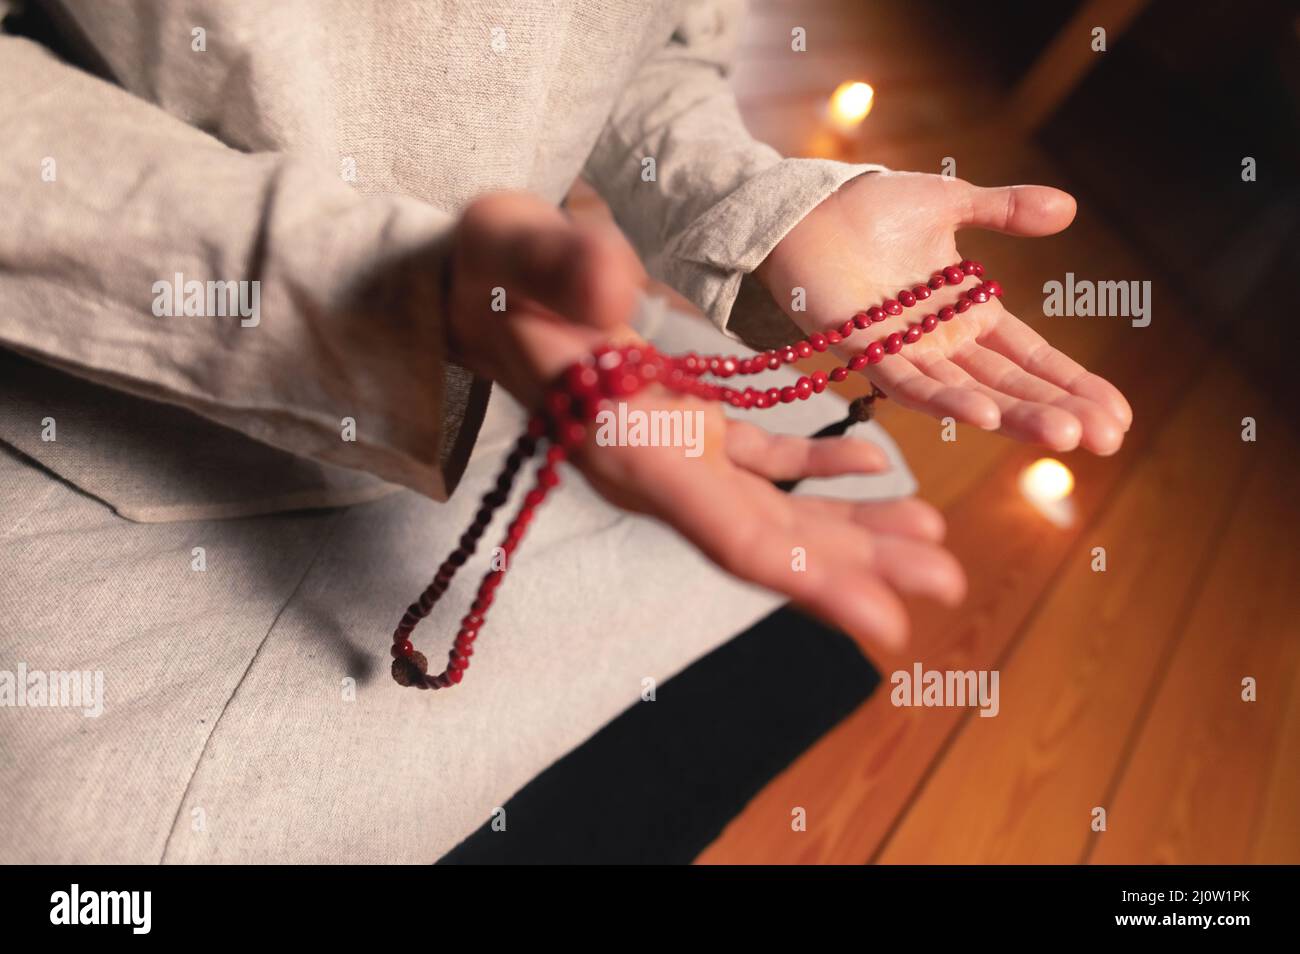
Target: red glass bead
892	307
572	433
839	374
937	281
963	305
906	299
857	362
947	313
929	323
876	313
773	395
803	388
922	292
803	349
582	380
894	343
558	403
403	649
789	355
861	320
968	266
834	337
912	335
789	395
993	287
846	329
453	676
819	381
953	275
978	295
875	351
773	361
818	342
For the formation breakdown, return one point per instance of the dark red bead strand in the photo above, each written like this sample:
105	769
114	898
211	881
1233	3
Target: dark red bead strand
492	500
458	657
726	366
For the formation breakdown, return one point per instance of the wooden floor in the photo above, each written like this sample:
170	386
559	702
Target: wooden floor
1119	689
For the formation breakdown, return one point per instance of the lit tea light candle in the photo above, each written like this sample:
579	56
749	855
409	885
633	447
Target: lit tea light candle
1047	484
850	104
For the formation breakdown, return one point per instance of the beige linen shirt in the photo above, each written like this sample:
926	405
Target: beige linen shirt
322	149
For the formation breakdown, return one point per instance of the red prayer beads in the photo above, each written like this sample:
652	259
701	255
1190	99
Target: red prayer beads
586	388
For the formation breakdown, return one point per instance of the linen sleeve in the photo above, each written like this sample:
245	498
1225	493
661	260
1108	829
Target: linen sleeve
719	201
257	289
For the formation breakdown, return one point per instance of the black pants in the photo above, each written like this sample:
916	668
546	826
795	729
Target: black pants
659	783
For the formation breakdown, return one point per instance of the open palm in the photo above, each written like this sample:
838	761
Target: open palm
888	231
858	558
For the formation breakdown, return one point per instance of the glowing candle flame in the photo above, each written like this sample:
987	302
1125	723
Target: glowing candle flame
1046	480
1047	484
850	104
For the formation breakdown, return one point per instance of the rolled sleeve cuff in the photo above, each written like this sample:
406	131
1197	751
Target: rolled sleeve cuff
712	262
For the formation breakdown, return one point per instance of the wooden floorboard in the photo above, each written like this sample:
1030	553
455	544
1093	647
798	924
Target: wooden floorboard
1201	771
1277	836
1070	691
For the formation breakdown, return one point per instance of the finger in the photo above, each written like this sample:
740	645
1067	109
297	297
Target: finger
586	273
1028	210
1026	420
907	516
903	382
747	527
911	567
920	568
1101	432
784	457
1031	351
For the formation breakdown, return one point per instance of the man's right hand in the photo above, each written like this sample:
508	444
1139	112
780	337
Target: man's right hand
570	287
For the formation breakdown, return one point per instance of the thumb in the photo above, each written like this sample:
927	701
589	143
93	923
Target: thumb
591	276
586	273
1028	210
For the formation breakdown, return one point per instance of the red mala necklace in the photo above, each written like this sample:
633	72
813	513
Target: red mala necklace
584	389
